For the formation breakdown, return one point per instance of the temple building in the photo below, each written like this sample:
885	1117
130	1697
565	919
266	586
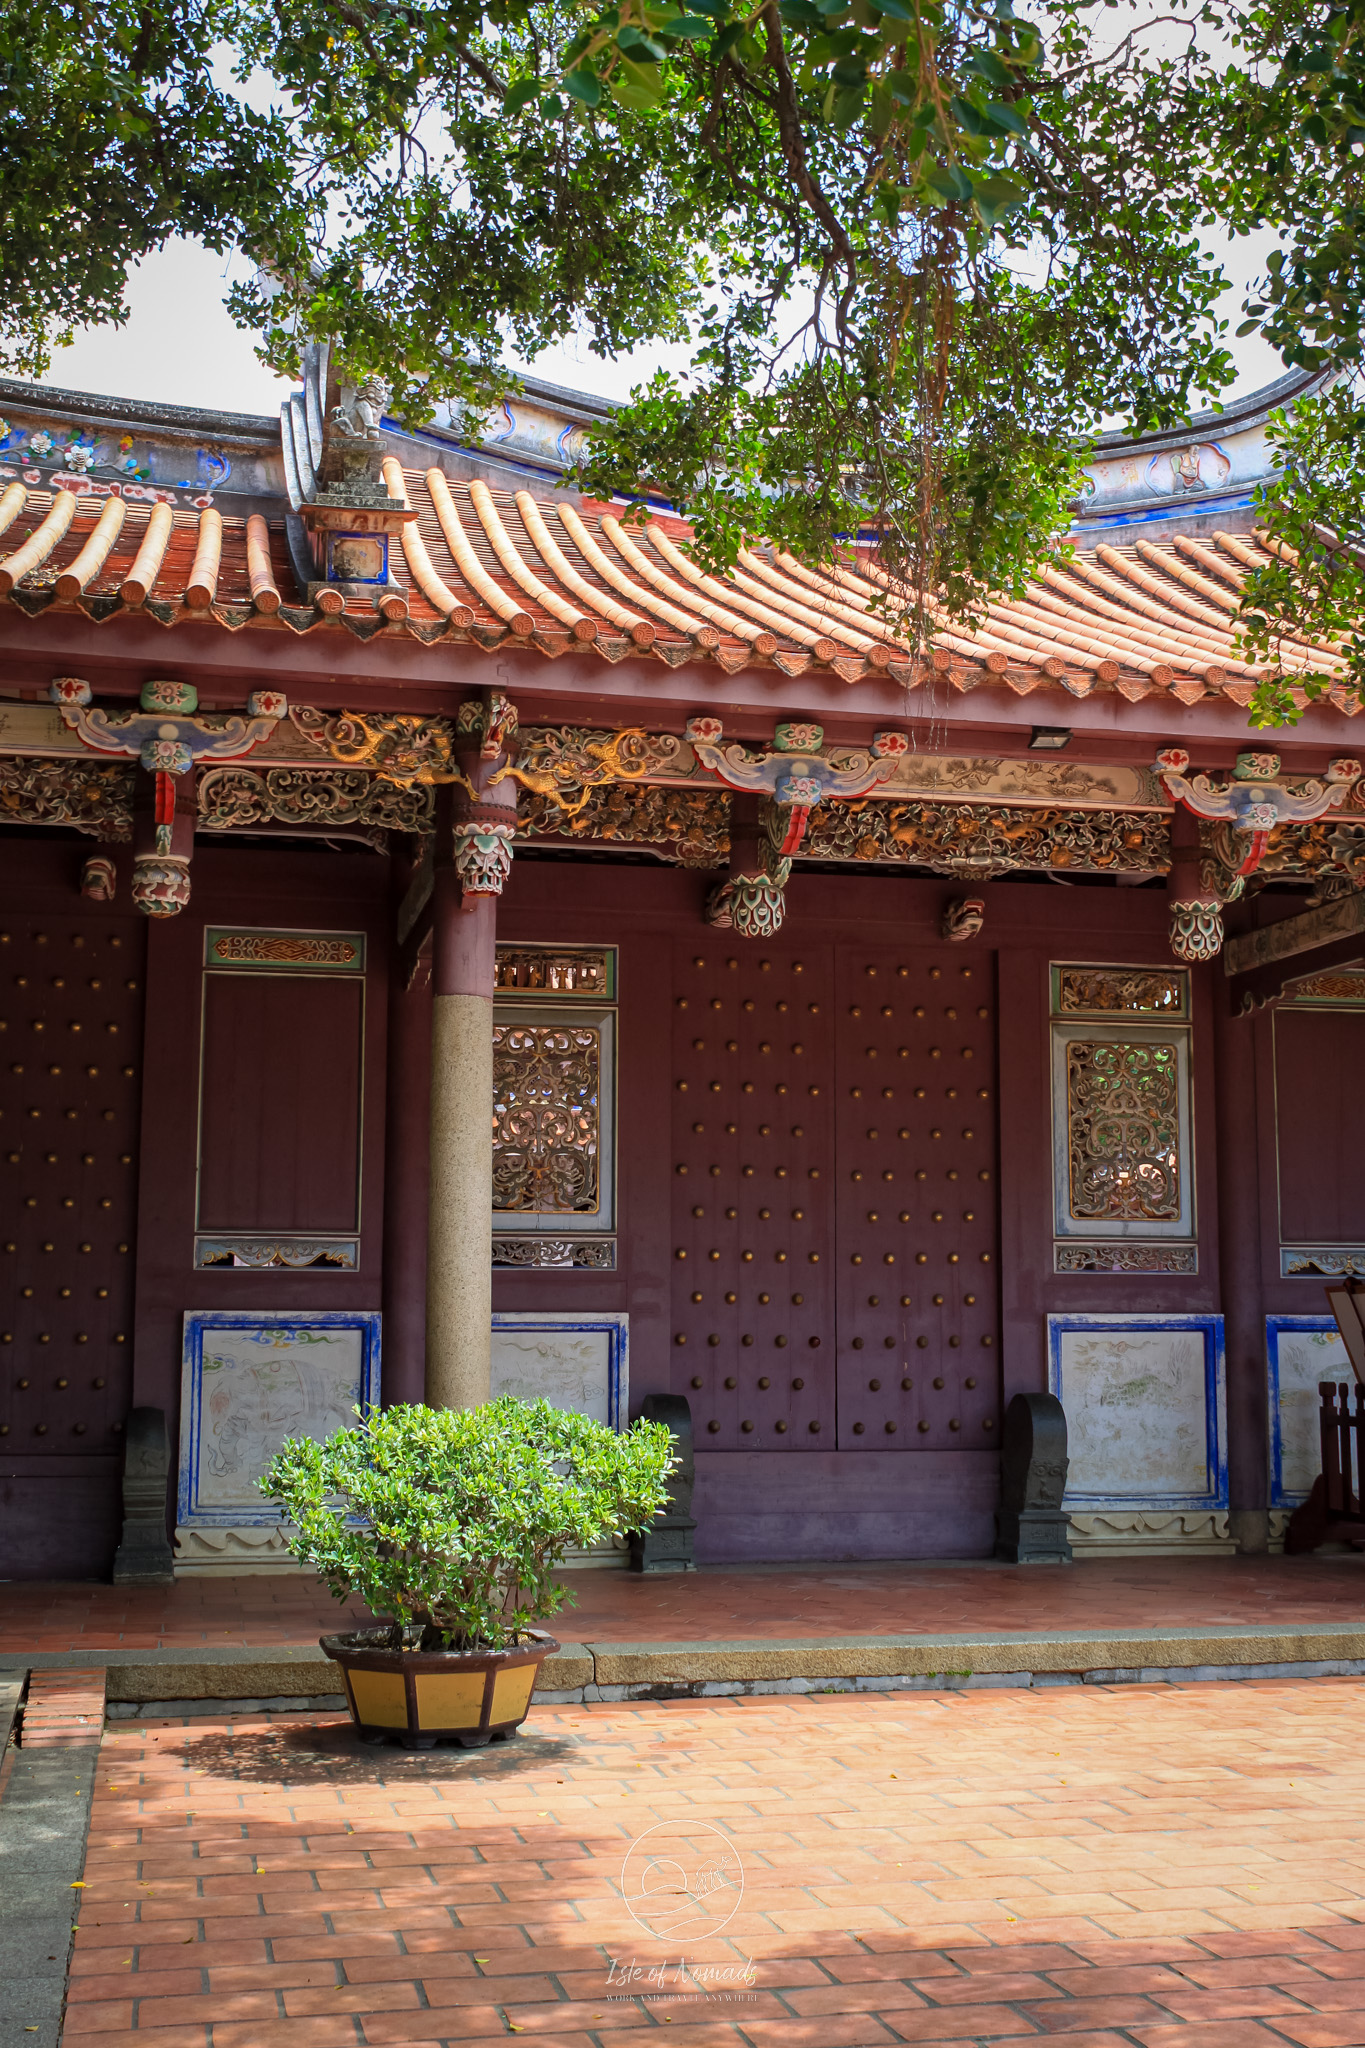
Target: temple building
451	943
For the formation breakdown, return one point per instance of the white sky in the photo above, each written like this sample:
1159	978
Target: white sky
179	347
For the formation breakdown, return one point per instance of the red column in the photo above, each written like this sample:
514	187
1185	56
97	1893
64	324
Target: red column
1239	1257
405	1175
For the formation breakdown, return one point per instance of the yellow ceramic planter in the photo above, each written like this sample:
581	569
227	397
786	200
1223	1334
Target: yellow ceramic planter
422	1697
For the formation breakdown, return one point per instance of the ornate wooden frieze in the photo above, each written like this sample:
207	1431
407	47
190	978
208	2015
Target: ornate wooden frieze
691	824
242	797
1331	1260
1123	1131
1124	1257
94	796
973	840
1344	989
597	1254
558	970
287	952
546	1117
1137	991
258	1254
1323	851
1036	778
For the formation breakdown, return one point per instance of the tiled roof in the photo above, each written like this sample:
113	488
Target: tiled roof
494	567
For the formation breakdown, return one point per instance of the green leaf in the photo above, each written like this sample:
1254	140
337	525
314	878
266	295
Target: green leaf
584	85
637	85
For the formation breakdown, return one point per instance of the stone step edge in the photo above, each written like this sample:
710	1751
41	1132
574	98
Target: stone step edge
236	1672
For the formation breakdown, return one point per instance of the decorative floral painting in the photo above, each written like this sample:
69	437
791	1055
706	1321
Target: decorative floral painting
252	1379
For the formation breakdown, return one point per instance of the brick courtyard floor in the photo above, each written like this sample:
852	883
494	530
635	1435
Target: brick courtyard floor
1176	1867
728	1602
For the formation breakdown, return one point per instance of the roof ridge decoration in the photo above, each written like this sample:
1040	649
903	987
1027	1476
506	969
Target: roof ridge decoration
344	510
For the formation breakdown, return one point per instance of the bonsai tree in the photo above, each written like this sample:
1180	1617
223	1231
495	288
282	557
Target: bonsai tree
452	1521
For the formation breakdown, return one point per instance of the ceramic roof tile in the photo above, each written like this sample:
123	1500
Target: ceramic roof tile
492	567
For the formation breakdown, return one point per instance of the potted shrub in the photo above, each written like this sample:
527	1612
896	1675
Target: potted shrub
451	1521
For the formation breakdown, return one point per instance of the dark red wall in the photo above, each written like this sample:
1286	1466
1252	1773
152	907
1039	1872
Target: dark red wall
293	1162
278	1068
1320	1124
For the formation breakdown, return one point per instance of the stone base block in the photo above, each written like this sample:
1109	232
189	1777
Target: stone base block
1033	1536
665	1546
233	1552
144	1556
1149	1532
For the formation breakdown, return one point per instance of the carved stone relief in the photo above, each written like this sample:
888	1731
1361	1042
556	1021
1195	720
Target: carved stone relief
1123	1531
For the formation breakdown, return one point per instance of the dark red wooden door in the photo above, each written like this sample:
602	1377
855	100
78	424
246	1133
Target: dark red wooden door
918	1318
753	1193
72	1035
834	1196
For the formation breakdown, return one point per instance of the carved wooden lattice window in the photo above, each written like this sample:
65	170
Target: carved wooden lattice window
1121	1112
554	1107
1123	1130
547	1083
1134	991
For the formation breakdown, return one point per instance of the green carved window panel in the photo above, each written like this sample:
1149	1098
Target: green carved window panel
1122	1162
1123	1130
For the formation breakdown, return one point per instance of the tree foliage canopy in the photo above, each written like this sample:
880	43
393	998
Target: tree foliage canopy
919	247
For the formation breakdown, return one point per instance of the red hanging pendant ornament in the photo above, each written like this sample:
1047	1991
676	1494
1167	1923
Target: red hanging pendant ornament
165	810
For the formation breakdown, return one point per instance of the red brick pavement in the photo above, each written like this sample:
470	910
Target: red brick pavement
721	1604
64	1709
1163	1867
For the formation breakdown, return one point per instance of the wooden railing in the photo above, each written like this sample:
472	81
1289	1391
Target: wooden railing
1343	1451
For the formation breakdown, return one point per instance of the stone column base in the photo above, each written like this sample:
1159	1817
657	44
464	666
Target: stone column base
1251	1530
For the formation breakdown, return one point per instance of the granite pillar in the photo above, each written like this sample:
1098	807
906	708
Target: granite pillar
473	852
